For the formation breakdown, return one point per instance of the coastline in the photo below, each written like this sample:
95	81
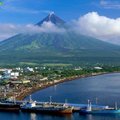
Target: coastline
31	90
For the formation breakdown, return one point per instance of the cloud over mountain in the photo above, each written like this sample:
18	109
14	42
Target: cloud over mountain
8	30
91	24
101	27
45	27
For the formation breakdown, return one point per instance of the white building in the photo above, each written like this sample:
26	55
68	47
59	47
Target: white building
78	68
14	75
98	68
0	76
7	71
18	68
43	79
7	74
28	69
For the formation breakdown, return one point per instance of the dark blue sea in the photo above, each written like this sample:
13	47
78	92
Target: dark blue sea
103	88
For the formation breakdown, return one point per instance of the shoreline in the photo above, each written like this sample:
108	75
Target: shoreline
55	82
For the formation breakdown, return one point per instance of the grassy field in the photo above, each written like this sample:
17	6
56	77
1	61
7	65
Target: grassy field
56	64
28	63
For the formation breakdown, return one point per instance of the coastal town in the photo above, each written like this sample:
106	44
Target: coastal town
18	82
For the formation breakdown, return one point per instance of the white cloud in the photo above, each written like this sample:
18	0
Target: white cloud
101	27
8	5
45	27
10	8
8	30
110	4
19	10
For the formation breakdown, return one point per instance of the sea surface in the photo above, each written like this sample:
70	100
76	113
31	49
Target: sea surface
102	89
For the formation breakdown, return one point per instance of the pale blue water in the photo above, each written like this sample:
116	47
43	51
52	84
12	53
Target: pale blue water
105	87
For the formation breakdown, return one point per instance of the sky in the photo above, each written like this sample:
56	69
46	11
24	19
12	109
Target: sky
96	18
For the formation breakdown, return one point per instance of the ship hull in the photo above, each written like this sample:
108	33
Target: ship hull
100	112
9	107
48	111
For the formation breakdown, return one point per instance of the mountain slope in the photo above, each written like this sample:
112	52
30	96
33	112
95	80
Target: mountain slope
57	45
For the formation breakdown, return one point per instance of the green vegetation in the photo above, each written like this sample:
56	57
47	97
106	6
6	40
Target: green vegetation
53	48
28	63
38	77
56	64
70	71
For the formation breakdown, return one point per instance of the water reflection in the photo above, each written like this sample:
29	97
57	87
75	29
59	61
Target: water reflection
68	117
54	117
33	116
37	116
100	117
55	87
89	117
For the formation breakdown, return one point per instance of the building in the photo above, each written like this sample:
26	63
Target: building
44	79
25	81
28	69
18	68
0	76
78	68
98	68
14	75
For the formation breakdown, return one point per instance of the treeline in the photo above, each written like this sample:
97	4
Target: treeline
69	72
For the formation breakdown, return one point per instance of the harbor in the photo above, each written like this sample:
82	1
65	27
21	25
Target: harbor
76	95
56	108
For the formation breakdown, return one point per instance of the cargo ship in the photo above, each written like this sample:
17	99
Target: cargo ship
106	110
9	107
46	108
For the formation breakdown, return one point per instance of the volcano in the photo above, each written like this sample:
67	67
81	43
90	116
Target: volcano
68	47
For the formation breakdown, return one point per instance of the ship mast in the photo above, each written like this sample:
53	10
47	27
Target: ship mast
116	107
65	104
96	100
65	101
89	107
5	93
30	99
50	99
14	99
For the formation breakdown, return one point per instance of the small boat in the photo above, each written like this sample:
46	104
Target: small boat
106	110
